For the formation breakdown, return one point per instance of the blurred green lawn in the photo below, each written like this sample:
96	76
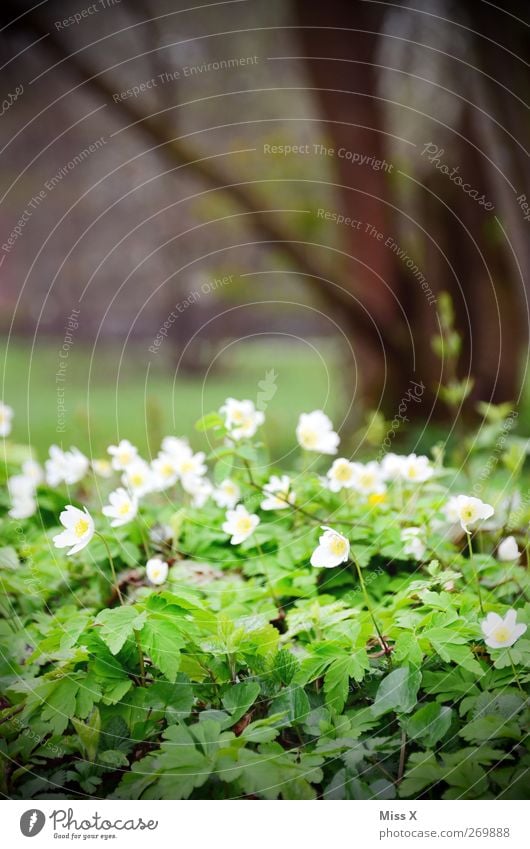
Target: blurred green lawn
139	398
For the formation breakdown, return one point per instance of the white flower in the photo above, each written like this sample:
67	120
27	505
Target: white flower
341	475
102	468
501	633
190	465
65	466
314	432
227	494
450	510
240	524
139	478
469	510
508	550
391	466
241	418
278	495
33	471
368	479
416	469
175	446
20	486
122	507
156	570
414	545
23	507
165	470
6	416
332	549
123	455
79	531
21	490
199	488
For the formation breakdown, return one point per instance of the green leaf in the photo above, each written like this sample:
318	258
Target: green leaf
294	704
397	691
239	697
88	733
337	678
209	421
162	640
429	724
117	624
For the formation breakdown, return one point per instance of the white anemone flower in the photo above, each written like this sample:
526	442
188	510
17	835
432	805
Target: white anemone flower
33	471
22	507
176	446
279	494
414	545
501	633
508	550
102	468
392	466
332	549
341	475
470	510
240	524
79	529
199	488
6	418
368	479
156	571
123	455
416	469
191	465
165	470
314	432
21	490
241	418
139	478
227	494
122	508
65	466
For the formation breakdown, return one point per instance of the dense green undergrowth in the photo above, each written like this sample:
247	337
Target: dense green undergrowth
249	672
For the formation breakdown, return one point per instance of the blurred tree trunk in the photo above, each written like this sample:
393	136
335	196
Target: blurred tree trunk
488	291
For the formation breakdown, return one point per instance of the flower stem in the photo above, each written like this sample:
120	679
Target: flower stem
475	573
111	561
140	657
515	675
273	595
370	611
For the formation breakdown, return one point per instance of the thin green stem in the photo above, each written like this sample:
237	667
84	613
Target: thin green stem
113	570
265	571
475	573
515	674
370	611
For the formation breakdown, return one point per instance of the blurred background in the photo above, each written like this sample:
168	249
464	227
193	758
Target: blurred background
265	199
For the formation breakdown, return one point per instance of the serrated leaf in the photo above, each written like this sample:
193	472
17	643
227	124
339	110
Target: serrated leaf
117	624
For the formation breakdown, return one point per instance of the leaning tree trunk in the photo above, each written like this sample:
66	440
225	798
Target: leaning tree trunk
340	39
